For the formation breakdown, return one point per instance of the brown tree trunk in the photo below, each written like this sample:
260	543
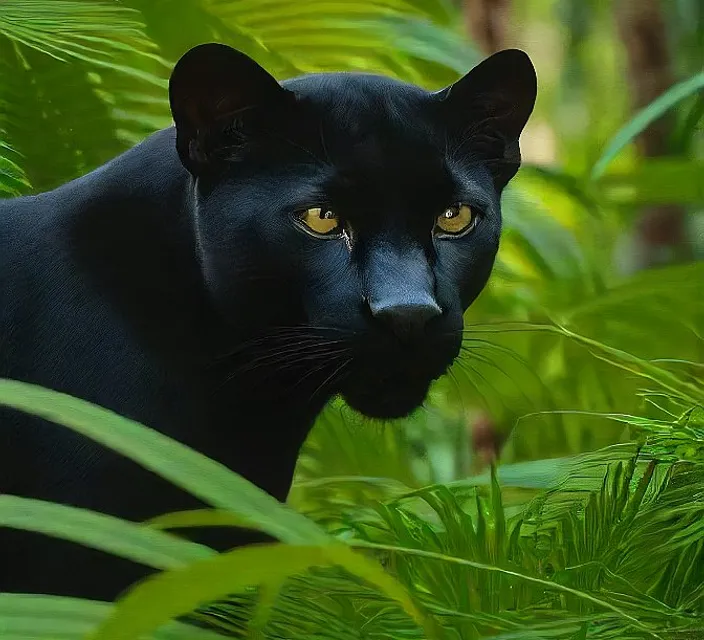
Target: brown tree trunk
660	232
487	23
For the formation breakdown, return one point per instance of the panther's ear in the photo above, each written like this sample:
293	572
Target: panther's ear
212	88
493	103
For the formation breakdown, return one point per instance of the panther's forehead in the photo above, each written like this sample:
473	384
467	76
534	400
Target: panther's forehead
377	132
355	90
363	106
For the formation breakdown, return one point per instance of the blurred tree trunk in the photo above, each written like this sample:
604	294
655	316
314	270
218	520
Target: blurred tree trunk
487	23
660	232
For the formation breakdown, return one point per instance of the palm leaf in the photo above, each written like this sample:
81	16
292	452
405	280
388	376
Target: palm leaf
99	531
39	617
13	181
673	96
92	32
408	39
188	469
171	594
64	66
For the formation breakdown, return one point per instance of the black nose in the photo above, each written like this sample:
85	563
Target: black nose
407	320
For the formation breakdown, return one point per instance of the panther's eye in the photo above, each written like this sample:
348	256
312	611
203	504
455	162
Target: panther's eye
321	222
455	220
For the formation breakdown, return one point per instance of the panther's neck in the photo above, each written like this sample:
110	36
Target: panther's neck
147	176
127	226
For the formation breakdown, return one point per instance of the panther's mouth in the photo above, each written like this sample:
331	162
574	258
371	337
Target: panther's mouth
388	396
388	379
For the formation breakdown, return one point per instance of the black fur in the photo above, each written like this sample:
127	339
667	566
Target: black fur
174	286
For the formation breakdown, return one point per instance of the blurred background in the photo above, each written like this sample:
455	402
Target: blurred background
587	345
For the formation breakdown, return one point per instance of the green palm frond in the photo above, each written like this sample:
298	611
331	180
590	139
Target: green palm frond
568	564
92	32
511	369
104	59
53	106
13	181
67	67
409	39
325	35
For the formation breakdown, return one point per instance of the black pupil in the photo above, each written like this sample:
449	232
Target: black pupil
326	215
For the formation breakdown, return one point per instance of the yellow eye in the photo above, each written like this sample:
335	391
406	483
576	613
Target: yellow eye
322	222
455	220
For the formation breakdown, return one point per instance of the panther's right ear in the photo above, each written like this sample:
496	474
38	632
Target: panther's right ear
497	96
212	87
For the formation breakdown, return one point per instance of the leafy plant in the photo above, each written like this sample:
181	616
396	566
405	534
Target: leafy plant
57	58
87	79
164	597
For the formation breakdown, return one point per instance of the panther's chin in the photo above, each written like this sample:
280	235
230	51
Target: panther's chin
396	399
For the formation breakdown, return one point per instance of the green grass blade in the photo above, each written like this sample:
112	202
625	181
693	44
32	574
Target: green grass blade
13	180
645	117
198	518
546	584
208	480
168	595
39	617
99	531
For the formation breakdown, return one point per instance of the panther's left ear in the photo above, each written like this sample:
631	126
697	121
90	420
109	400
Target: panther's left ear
214	87
493	103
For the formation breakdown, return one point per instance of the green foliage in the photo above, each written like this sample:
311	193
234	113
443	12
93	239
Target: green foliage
208	480
12	178
179	591
24	616
568	561
591	525
118	537
87	79
56	59
652	112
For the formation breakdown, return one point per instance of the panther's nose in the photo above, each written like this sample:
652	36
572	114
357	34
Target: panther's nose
406	319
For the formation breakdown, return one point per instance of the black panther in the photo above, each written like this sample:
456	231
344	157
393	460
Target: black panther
283	243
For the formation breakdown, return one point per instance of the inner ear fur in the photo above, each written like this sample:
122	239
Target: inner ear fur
491	104
212	87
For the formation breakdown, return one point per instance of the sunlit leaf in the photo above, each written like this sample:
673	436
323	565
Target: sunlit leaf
39	617
99	531
644	117
172	594
186	468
